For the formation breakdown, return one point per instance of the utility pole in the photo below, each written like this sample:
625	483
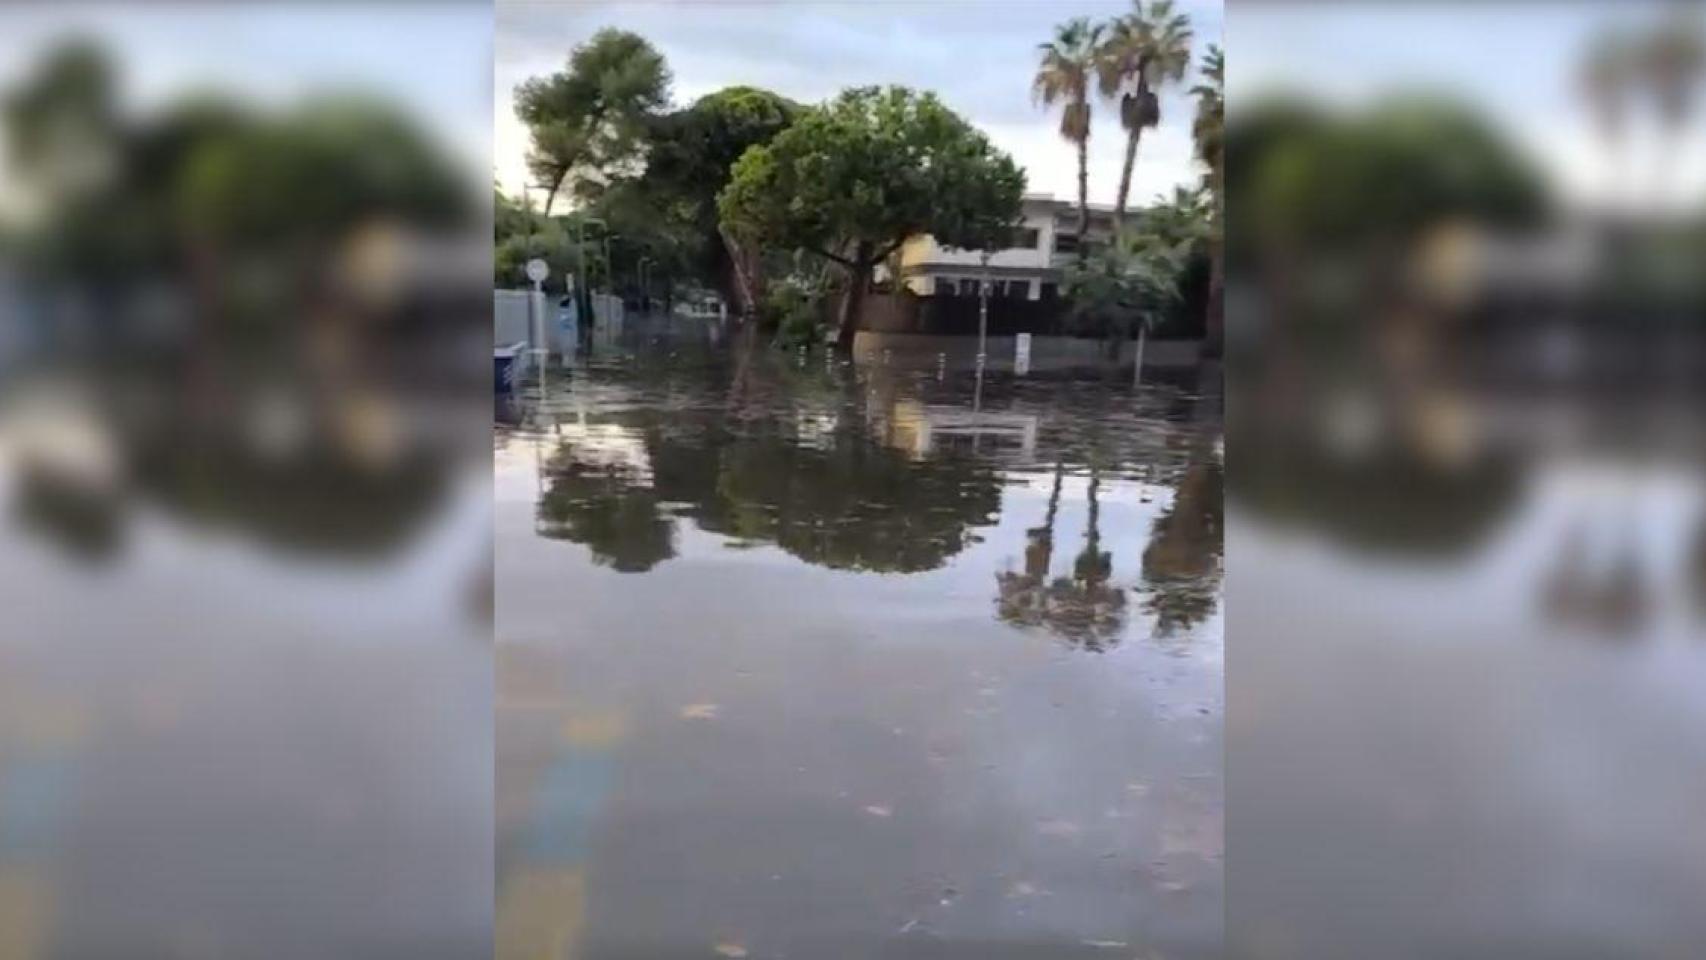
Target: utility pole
580	268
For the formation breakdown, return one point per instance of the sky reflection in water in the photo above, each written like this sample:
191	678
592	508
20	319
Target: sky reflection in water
833	661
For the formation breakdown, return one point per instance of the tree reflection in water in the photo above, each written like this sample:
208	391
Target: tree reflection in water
1182	563
609	508
834	499
1083	608
789	458
1392	502
322	498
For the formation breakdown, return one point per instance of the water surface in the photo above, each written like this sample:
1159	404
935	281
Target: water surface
801	659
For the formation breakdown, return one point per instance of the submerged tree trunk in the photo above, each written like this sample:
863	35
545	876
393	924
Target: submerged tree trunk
748	283
858	278
1083	196
745	351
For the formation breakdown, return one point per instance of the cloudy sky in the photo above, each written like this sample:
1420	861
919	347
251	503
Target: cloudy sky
979	57
1519	63
431	60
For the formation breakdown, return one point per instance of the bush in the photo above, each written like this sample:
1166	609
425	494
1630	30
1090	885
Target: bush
795	314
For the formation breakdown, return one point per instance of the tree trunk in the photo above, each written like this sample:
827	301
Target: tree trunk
1216	326
1132	137
745	274
551	195
858	277
745	349
1083	196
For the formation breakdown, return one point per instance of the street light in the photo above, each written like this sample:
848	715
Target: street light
983	316
609	270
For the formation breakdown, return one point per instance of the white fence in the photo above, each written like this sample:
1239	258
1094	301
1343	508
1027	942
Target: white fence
512	323
608	310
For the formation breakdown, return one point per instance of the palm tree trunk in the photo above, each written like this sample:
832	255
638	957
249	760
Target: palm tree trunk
1083	196
1054	495
1093	525
1216	326
1131	140
1039	551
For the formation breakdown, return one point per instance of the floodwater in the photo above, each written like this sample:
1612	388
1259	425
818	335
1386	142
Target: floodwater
798	659
1467	706
245	686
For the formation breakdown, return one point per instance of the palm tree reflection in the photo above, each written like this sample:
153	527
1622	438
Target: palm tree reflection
1083	609
1182	564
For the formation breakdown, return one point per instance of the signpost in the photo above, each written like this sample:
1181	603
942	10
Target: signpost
537	271
1022	353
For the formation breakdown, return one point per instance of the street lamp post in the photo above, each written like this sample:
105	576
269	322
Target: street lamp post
609	270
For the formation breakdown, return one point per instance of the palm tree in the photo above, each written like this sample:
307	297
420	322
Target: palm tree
1606	81
1209	132
1068	61
1145	51
1209	128
1675	59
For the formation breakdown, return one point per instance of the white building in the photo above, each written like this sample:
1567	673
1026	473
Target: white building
1030	270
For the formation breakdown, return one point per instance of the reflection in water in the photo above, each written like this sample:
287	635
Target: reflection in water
1478	658
349	480
1181	565
1394	500
1082	608
805	478
752	693
607	506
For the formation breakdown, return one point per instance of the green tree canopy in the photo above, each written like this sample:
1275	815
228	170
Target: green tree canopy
851	180
693	150
62	125
691	155
1389	172
1135	280
588	120
318	171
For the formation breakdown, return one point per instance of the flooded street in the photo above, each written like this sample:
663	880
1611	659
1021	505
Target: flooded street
245	702
1467	700
800	659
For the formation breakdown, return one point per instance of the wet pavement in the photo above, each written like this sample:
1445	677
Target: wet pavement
798	659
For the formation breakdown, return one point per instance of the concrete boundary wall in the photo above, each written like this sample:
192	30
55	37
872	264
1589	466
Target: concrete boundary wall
1047	353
